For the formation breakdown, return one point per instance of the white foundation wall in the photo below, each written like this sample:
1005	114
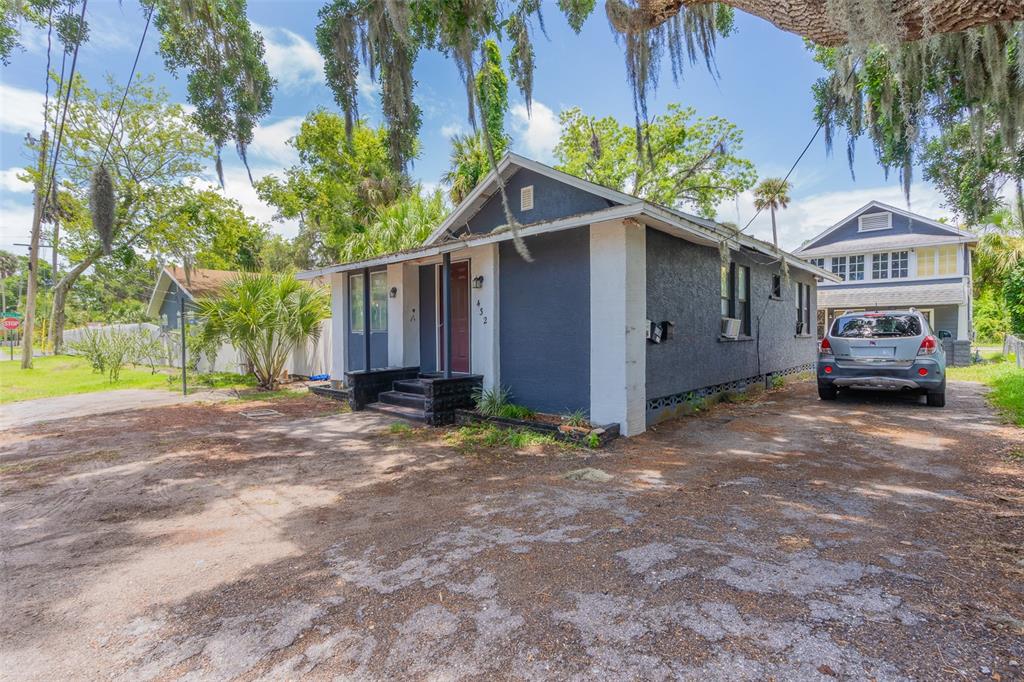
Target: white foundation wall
618	314
483	314
403	328
339	294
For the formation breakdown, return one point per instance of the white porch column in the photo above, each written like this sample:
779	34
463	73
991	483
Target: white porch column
963	322
339	294
484	315
403	318
618	313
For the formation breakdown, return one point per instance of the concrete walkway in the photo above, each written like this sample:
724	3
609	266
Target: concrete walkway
25	412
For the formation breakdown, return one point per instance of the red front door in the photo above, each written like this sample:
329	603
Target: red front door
460	318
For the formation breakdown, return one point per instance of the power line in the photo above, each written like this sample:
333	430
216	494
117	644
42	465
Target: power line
67	101
800	157
131	76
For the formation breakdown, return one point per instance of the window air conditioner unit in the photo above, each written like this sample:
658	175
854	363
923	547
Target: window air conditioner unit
730	327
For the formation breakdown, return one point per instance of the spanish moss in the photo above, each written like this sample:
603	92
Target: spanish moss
101	205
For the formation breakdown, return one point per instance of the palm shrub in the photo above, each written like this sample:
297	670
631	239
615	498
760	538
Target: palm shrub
265	316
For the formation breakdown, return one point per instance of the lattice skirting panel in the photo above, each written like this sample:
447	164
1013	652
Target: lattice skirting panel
668	406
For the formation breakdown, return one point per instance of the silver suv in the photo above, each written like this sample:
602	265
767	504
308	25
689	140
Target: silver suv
892	350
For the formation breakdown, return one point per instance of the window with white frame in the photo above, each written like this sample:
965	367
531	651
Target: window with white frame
869	222
947	260
839	266
378	301
880	266
803	308
735	295
355	304
856	268
818	262
899	264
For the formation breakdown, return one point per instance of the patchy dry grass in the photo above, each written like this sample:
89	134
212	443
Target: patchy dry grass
1006	381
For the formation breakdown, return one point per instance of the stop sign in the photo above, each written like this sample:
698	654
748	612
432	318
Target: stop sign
11	323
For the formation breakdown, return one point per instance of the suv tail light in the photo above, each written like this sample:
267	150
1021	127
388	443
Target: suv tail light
929	345
826	347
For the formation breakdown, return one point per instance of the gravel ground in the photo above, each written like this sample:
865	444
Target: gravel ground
777	538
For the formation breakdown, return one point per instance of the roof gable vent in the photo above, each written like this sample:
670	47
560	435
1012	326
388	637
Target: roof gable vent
526	198
874	221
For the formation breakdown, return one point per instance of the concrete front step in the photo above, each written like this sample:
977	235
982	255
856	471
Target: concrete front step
410	386
403	399
409	413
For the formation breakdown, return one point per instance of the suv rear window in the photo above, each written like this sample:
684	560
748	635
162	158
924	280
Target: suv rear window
864	325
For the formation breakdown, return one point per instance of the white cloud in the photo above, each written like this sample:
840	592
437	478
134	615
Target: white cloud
450	130
810	215
238	187
15	224
9	181
270	142
292	60
21	110
537	131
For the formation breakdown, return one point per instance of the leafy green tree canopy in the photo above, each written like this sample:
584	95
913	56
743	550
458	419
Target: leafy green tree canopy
404	224
688	162
339	182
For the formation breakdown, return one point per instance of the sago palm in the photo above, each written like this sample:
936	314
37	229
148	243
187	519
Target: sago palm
265	316
773	194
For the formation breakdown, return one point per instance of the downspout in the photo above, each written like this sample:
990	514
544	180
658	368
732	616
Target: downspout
446	283
366	319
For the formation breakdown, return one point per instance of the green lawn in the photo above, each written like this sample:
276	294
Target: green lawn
64	375
1006	380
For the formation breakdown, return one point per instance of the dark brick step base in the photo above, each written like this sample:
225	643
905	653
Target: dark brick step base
410	413
403	399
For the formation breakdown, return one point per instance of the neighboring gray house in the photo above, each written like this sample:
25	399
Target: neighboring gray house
888	258
172	283
624	309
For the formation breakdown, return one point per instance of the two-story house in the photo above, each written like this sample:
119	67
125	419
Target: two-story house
887	259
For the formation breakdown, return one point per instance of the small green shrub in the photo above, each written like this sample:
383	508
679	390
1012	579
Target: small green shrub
513	411
490	401
695	404
399	429
593	441
492	436
577	419
778	381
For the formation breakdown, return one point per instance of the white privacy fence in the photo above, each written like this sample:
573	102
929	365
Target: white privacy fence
1015	345
312	359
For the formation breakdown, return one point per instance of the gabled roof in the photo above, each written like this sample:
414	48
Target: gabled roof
882	296
964	235
199	283
683	225
508	165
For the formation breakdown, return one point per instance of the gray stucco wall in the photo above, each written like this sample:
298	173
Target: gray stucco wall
378	340
545	321
683	286
428	318
900	225
551	200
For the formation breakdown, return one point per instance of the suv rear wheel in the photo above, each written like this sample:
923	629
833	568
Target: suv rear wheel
937	398
827	391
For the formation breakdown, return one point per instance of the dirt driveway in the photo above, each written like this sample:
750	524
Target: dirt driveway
779	538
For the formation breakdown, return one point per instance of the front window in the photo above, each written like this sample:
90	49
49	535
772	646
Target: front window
839	266
803	308
743	298
355	304
947	260
819	262
880	266
379	301
870	325
900	264
856	268
926	262
726	292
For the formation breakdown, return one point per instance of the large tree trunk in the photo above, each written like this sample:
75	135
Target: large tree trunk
60	296
811	19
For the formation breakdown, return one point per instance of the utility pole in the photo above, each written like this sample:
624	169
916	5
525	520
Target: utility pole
33	257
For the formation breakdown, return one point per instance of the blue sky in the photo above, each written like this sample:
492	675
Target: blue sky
764	87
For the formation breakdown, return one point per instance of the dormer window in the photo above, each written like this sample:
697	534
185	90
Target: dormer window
870	222
526	198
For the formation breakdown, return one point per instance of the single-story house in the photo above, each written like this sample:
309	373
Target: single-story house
622	308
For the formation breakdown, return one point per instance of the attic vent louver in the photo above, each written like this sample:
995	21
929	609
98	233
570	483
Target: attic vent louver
526	198
874	221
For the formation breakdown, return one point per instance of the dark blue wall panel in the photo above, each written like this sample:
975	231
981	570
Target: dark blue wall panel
551	200
428	321
545	321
